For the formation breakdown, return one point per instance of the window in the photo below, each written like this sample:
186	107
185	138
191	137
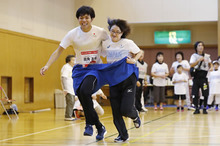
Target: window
6	83
28	90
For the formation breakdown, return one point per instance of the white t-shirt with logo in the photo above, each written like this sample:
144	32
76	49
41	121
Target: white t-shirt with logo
87	45
115	51
214	82
142	70
66	72
184	63
159	69
205	64
180	88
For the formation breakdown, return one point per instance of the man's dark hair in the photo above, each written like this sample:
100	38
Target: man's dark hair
122	24
68	58
197	43
85	10
181	53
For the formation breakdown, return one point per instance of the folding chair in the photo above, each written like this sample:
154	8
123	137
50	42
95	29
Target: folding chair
6	101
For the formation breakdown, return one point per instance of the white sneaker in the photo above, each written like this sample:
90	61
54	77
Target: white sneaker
69	119
144	109
211	108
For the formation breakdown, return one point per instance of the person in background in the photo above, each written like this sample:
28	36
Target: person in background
78	109
214	84
159	72
67	85
218	59
86	41
142	78
179	80
202	63
186	67
97	106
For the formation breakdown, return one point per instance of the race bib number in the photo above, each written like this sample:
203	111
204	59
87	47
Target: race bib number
89	57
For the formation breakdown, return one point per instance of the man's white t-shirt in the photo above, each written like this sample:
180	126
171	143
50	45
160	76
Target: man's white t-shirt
184	63
87	45
205	64
115	51
159	69
142	70
214	82
66	72
180	88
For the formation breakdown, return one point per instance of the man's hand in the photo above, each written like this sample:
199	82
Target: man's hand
43	70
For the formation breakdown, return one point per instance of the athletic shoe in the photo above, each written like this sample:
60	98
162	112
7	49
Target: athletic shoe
88	130
144	109
182	109
137	122
216	108
207	107
196	111
101	133
191	108
69	119
178	109
210	108
204	111
120	140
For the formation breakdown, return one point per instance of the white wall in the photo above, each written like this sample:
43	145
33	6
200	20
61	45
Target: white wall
143	35
49	19
52	19
153	11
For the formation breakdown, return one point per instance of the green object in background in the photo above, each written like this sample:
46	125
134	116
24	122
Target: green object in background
172	37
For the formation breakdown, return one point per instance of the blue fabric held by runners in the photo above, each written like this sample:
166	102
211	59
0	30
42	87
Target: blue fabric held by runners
111	74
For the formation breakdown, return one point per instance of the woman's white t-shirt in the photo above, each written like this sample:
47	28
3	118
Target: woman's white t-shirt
214	82
180	88
184	63
142	70
205	64
115	51
87	45
159	69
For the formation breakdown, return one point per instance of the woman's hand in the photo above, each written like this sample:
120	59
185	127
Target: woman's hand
130	60
138	84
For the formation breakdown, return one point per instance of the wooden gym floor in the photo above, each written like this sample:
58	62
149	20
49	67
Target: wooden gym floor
165	128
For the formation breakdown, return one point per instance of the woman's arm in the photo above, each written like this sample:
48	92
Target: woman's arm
134	59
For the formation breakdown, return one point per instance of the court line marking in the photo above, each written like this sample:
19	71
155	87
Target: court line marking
134	127
43	131
158	129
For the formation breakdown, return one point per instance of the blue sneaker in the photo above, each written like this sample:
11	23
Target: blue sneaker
216	108
88	130
137	122
101	133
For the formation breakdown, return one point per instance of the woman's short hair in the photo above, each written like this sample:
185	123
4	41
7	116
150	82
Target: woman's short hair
197	43
85	10
122	24
180	53
158	54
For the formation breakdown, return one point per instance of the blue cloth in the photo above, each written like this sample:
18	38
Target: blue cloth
111	74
